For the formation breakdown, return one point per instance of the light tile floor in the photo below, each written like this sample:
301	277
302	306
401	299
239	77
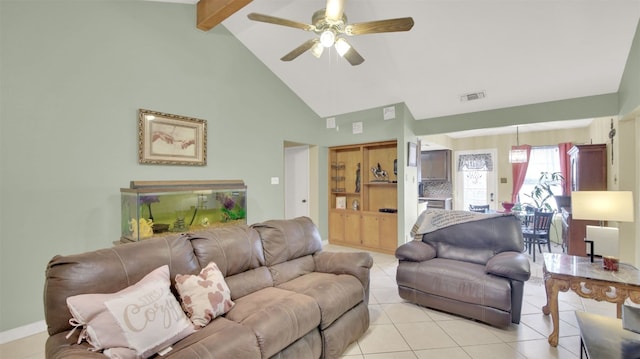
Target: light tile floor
402	330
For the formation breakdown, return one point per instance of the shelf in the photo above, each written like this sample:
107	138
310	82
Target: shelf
349	210
381	184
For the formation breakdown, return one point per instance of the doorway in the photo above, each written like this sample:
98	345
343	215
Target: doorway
296	181
475	175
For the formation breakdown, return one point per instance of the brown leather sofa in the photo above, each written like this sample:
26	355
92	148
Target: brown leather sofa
473	269
292	300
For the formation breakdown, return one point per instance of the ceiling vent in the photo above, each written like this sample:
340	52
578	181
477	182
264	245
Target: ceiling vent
473	96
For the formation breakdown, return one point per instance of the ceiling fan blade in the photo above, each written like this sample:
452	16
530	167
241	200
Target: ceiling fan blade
353	57
372	27
279	21
299	50
335	9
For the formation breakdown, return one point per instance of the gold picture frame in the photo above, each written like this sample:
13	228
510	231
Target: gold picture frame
166	139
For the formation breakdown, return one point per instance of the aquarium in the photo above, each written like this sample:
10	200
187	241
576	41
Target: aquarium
159	208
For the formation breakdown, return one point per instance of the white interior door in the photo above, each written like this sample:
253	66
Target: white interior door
296	181
476	181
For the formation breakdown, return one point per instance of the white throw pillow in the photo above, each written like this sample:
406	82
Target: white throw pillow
144	317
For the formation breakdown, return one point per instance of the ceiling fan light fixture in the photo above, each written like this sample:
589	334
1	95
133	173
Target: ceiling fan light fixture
327	38
317	50
342	46
328	25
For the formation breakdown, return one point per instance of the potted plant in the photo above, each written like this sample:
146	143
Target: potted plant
541	192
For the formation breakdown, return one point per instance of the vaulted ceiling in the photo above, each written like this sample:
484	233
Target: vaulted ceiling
517	51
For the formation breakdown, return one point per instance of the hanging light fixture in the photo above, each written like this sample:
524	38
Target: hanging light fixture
328	38
517	155
317	49
342	46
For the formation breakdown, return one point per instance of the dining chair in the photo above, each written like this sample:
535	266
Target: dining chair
479	208
537	233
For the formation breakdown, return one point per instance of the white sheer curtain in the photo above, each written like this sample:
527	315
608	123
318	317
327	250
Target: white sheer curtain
542	159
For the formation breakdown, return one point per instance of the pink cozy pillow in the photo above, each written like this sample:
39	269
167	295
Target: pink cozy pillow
144	318
204	296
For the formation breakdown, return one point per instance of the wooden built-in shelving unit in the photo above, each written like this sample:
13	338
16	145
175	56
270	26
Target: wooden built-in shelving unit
363	226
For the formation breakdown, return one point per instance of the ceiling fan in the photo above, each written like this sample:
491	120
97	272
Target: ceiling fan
331	24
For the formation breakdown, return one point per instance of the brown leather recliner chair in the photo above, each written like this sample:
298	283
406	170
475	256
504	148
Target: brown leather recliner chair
473	269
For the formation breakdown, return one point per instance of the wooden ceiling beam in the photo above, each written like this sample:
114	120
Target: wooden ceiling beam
212	12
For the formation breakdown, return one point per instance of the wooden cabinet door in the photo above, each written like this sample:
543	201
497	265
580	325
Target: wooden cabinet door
352	228
336	226
370	230
588	167
435	165
388	232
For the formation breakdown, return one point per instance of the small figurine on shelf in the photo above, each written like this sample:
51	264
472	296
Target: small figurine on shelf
141	229
179	225
395	170
358	178
380	174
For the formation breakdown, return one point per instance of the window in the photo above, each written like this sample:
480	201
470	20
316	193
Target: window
476	178
542	159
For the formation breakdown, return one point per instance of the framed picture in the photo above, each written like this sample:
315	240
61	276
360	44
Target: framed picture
412	157
341	202
171	139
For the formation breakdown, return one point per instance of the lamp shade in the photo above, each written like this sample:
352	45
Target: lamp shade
517	156
602	205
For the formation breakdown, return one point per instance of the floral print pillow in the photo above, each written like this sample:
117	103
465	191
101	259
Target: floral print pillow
205	296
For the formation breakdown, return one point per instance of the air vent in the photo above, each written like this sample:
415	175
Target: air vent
472	96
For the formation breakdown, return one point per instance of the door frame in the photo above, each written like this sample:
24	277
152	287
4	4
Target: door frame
296	181
491	187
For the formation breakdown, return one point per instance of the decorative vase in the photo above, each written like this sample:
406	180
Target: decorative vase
507	206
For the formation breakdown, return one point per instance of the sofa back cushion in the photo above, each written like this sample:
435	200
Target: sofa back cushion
234	249
477	241
284	240
110	270
237	251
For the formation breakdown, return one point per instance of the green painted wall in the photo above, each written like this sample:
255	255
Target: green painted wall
579	108
73	75
629	91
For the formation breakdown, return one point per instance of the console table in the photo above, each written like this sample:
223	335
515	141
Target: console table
563	272
604	337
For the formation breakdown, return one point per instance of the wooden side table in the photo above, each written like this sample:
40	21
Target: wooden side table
604	337
563	272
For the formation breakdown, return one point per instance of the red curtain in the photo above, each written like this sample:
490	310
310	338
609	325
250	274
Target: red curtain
519	172
565	166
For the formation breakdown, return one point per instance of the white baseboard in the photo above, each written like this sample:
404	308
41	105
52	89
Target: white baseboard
22	332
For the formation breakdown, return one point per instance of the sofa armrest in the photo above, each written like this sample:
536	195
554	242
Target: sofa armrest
58	346
512	265
358	264
415	251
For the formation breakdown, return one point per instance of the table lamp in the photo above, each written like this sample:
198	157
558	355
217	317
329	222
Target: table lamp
603	206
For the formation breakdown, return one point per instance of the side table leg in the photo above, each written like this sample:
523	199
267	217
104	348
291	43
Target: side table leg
552	287
547	288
